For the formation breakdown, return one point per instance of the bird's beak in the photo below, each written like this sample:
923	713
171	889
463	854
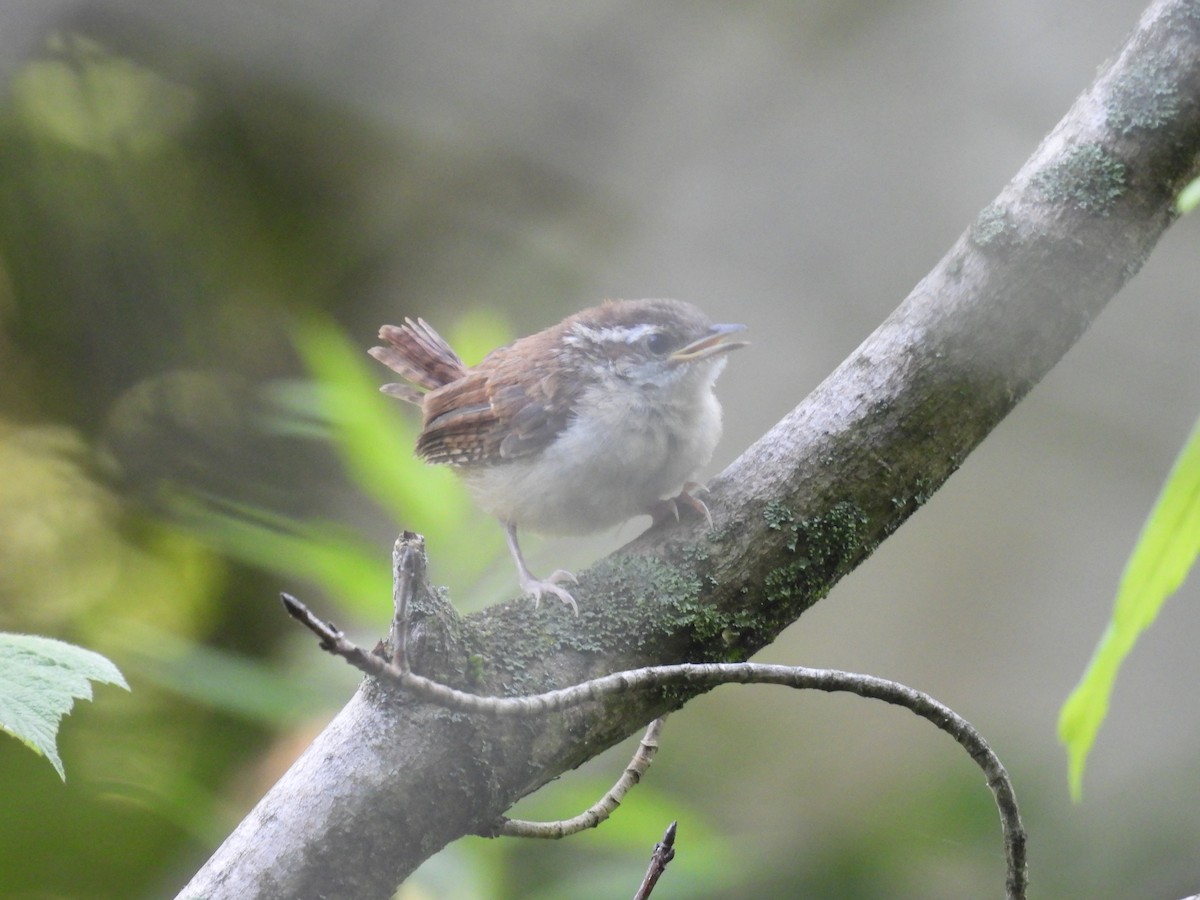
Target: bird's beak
716	341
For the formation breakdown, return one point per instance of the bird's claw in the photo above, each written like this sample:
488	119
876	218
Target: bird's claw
667	510
536	587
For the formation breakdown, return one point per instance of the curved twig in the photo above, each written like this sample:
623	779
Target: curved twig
704	675
602	808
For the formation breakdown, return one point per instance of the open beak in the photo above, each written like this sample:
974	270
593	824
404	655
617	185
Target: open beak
716	341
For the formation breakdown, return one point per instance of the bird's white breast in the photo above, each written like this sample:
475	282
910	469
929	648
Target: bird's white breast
629	450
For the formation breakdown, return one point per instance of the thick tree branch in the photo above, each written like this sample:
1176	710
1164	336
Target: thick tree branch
687	675
391	781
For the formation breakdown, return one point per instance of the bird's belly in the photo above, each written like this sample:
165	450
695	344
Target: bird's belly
590	478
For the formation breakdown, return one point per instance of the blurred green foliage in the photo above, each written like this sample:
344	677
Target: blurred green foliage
185	427
165	257
1189	198
81	97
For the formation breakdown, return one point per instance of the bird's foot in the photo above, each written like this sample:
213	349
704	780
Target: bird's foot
668	510
530	583
536	587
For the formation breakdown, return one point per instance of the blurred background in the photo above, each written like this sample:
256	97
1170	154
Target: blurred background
207	210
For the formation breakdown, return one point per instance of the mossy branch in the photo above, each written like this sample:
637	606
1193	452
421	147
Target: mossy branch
409	571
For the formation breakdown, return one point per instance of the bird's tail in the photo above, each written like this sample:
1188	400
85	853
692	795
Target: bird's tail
420	356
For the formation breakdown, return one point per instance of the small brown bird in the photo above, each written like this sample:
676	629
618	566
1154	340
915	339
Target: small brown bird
576	428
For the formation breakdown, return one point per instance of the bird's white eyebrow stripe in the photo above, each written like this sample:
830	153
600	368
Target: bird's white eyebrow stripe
629	334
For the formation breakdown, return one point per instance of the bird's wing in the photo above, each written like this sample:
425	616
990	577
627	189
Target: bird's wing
511	405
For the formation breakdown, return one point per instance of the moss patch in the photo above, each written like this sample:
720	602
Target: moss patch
992	228
1144	96
821	546
1087	177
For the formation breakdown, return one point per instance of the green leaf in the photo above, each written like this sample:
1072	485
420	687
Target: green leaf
40	678
100	103
253	689
1165	552
333	556
1188	198
374	435
374	441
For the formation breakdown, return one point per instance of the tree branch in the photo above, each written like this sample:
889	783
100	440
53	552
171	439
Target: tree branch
391	781
684	675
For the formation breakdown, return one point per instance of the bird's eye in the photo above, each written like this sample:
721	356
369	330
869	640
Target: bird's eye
658	343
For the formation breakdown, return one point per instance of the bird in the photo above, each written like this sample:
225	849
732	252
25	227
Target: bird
576	428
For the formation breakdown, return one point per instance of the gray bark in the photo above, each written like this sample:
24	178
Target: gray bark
391	780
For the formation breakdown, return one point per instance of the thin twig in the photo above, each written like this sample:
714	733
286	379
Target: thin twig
706	675
331	638
602	808
664	852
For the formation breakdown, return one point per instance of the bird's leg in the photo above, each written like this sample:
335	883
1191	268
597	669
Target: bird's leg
530	583
664	511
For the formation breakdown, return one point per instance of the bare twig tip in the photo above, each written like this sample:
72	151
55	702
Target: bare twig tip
294	607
